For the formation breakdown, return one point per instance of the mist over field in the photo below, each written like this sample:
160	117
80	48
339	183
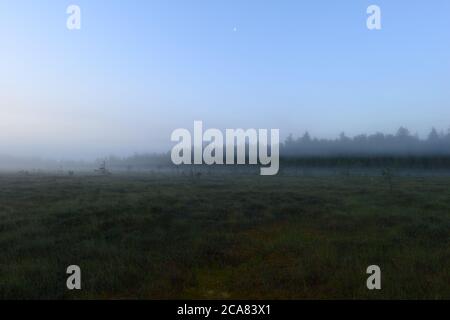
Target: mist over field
401	144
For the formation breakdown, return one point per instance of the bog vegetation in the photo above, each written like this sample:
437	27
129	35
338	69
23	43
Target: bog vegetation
220	236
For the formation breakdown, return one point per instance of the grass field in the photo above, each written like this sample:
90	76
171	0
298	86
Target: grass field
155	236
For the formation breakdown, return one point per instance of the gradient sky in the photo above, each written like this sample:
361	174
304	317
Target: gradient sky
137	70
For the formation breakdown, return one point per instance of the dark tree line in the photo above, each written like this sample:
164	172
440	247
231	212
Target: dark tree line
377	150
403	143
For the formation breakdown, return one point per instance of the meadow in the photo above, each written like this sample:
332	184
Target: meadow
168	236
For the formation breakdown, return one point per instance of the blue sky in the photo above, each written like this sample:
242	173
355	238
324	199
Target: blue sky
137	70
